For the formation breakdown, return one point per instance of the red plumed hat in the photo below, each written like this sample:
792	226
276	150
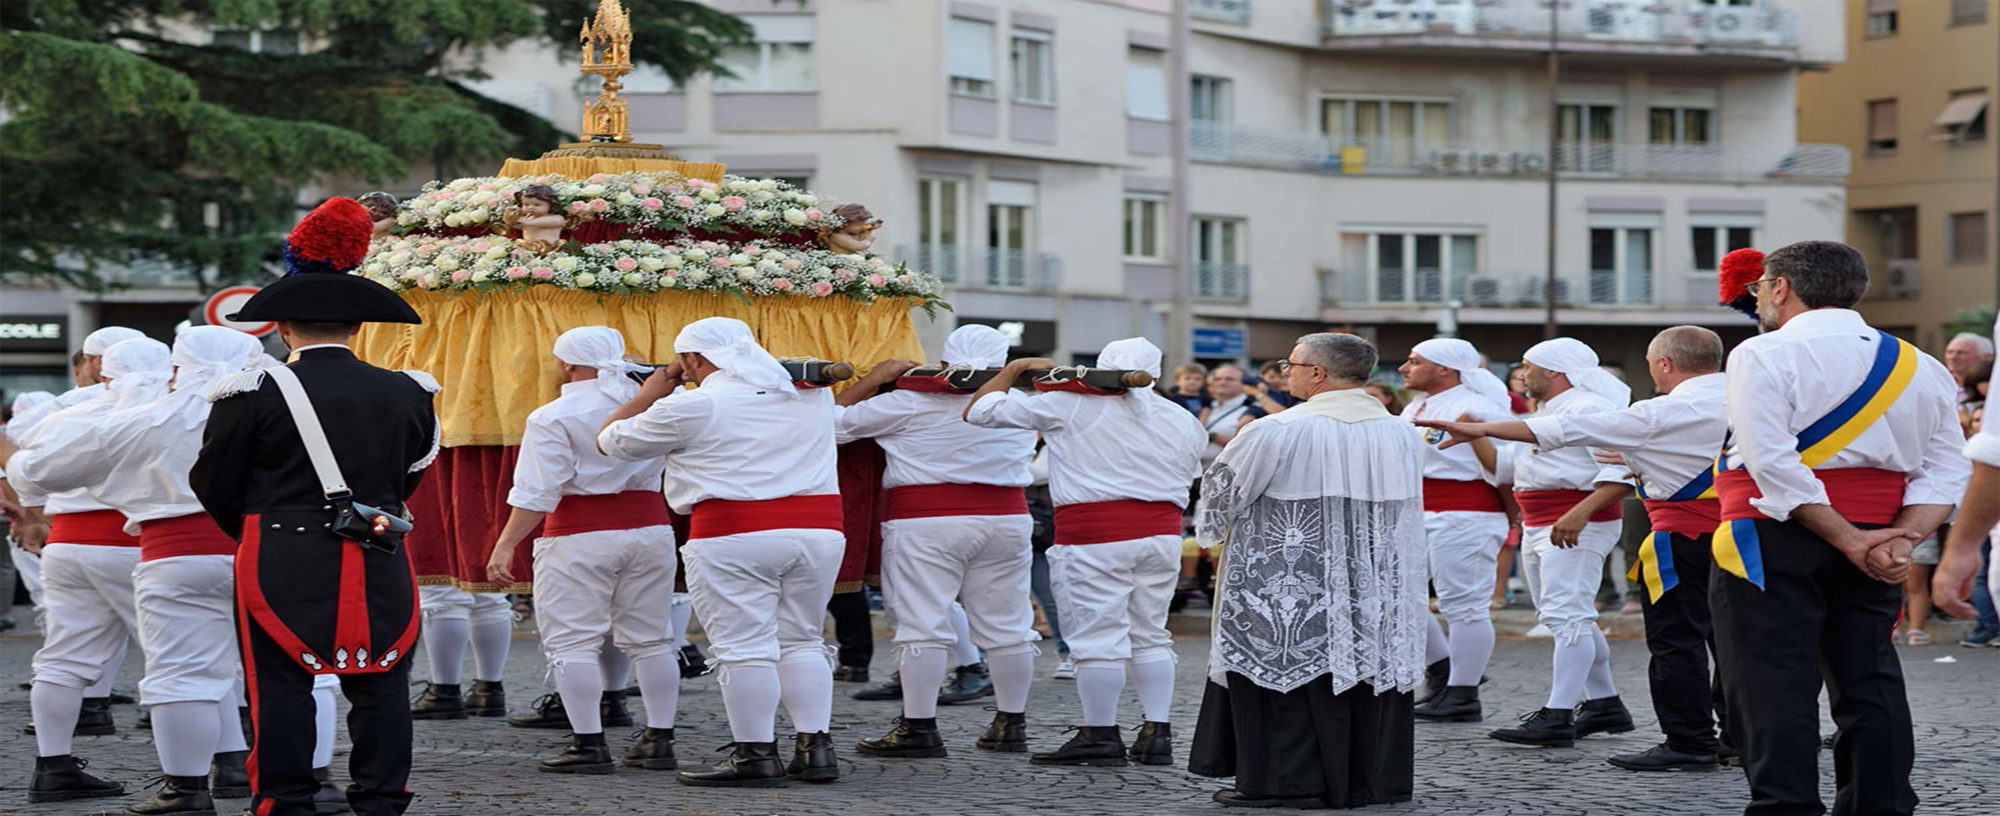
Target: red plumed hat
332	238
1738	269
326	245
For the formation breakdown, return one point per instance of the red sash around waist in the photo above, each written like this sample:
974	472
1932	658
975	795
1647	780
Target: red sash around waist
1862	495
192	534
720	517
105	528
1108	521
1543	508
936	500
1445	495
1692	518
629	510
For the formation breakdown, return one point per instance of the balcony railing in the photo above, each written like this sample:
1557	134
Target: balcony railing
1517	289
1224	143
1220	11
1221	281
1526	22
984	268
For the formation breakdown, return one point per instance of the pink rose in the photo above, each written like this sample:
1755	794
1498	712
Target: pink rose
599	178
599	205
447	195
709	246
641	189
821	289
781	284
874	280
791	263
542	273
653	203
461	276
625	264
480	246
903	279
722	261
877	263
517	272
701	184
733	203
523	253
844	276
813	214
753	250
683	202
579	206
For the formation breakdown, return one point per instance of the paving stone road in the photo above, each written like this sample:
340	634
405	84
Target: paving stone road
482	766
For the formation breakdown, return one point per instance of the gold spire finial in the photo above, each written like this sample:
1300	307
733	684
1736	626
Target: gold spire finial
607	52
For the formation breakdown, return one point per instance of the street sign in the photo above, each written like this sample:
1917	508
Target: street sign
227	302
1220	342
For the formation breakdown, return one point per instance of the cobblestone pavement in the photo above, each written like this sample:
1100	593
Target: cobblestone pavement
482	766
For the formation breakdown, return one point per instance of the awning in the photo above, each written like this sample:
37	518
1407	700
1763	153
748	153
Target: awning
1961	111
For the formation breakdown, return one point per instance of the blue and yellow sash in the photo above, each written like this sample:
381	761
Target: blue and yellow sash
1735	544
1655	568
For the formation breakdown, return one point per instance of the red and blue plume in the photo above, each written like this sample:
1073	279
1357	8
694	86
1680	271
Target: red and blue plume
1738	269
332	238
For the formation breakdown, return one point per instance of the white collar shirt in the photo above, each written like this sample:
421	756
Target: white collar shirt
1781	382
559	456
1667	441
1101	448
1458	463
1984	446
1574	468
731	440
125	461
927	442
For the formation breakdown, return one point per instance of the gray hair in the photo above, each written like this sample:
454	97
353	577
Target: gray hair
1692	348
1824	274
1979	342
1344	356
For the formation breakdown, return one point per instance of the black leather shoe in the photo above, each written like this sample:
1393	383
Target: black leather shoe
548	712
1154	744
329	799
94	719
232	779
750	765
693	664
1008	733
1604	715
1727	756
612	711
118	698
654	751
438	702
178	796
1097	746
891	689
61	778
145	722
911	738
968	683
1546	727
1456	704
586	754
850	674
1234	798
812	758
1436	677
1663	757
487	699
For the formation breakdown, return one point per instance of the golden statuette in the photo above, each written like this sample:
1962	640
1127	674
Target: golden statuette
607	52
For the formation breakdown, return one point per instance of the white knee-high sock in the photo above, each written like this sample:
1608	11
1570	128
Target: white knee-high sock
1572	665
1471	648
445	640
1154	679
1013	673
660	686
55	710
683	612
581	685
1098	684
490	642
922	669
102	688
1597	684
325	717
1436	646
184	734
750	697
963	651
229	728
615	666
805	679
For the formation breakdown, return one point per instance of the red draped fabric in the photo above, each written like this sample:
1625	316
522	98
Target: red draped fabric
864	504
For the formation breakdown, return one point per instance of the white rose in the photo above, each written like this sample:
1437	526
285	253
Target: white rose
454	220
670	262
774	255
695	255
634	279
407	219
713	211
477	216
746	274
446	262
762	196
591	190
427	281
708	194
627	200
651	264
694	276
496	253
807	199
795	217
821	272
740	259
760	216
482	276
586	280
566	263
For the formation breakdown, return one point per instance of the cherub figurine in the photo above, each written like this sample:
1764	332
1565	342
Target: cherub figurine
535	214
856	233
382	210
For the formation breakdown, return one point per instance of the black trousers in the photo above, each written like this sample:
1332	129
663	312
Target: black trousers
281	714
1680	635
852	628
1817	617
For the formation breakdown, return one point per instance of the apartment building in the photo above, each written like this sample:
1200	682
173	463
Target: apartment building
1912	102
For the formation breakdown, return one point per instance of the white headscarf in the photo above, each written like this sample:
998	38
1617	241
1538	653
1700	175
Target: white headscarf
1571	357
601	348
976	346
29	399
138	370
728	343
1461	357
1135	354
100	341
202	355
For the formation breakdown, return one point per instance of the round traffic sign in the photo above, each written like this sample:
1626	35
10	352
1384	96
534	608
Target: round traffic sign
227	302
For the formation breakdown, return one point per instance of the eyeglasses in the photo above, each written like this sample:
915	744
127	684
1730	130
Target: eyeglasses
1285	366
1753	287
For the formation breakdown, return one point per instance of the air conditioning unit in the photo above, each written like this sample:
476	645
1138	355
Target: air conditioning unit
1482	291
1901	281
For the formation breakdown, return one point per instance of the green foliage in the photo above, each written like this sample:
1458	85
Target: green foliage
1977	320
130	146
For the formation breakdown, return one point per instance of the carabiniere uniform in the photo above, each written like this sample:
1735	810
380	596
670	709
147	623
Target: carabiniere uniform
309	601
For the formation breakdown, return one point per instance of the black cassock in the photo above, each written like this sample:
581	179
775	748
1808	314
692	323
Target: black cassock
1352	749
308	601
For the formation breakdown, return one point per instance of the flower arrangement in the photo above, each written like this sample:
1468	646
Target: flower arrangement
642	200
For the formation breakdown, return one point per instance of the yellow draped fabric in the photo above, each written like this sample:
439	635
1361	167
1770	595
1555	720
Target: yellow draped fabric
491	352
578	167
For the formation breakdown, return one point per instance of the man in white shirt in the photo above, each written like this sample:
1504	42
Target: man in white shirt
1570	520
750	458
957	528
1464	521
1978	514
1845	451
1119	470
1670	444
1231	408
604	563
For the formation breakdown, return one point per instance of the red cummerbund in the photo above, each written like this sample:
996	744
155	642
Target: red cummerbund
100	527
720	517
192	534
1692	518
629	510
1862	495
935	500
1447	495
1124	520
1543	508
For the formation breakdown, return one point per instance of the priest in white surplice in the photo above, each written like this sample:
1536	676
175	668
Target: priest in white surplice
1320	612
